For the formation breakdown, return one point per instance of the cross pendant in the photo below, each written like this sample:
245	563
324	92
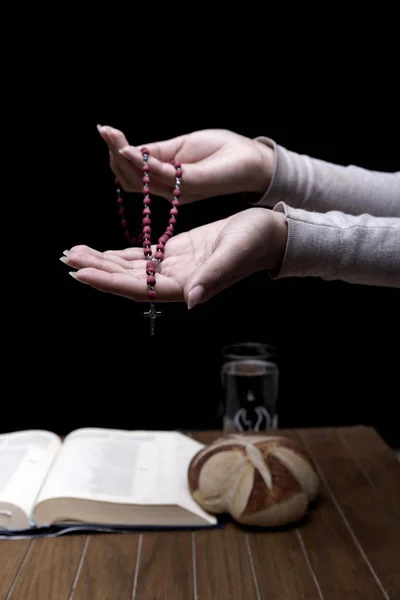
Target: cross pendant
152	314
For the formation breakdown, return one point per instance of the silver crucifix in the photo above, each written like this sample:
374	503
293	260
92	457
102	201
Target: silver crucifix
152	314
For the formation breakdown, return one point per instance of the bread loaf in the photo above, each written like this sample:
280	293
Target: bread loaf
259	480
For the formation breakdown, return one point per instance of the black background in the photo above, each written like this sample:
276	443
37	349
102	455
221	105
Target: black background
76	357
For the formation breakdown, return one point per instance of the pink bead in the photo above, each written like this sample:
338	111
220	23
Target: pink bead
146	190
145	179
177	192
147	252
144	151
147	229
170	228
151	280
146	244
116	181
177	165
160	247
175	203
128	235
145	168
124	223
121	211
160	255
172	221
173	211
146	211
178	173
163	239
120	200
150	268
152	294
133	240
146	221
146	236
147	201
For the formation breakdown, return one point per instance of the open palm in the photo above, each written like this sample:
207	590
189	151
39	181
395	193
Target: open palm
214	256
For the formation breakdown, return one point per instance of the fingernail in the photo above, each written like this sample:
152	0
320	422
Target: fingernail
195	295
66	252
64	260
73	274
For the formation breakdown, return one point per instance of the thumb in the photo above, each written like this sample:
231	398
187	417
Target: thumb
114	138
218	272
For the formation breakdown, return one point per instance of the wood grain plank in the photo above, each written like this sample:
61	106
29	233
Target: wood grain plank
281	566
277	559
165	566
376	460
107	569
205	437
335	558
12	554
49	571
375	527
224	568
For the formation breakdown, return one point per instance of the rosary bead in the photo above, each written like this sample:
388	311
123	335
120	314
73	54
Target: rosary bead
159	255
145	168
150	270
147	229
144	151
175	203
121	211
145	179
172	221
152	294
147	252
146	221
151	280
173	211
124	223
178	173
160	247
177	192
146	189
120	200
146	201
146	211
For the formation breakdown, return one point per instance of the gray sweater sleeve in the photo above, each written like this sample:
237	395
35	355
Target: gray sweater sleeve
343	222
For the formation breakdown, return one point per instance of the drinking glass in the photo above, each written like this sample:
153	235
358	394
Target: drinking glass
241	350
250	393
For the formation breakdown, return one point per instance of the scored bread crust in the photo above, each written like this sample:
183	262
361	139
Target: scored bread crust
259	480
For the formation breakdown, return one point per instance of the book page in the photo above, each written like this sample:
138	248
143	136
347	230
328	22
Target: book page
132	467
25	458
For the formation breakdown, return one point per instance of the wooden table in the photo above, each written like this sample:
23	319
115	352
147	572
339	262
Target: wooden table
348	548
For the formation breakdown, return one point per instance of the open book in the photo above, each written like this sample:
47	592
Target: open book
97	476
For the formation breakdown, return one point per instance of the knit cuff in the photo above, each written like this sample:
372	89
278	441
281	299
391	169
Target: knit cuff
358	249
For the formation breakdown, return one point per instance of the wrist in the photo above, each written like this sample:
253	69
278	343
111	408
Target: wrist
265	165
278	241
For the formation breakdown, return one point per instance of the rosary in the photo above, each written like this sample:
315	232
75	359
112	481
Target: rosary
145	236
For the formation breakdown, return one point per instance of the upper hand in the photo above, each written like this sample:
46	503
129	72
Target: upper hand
197	264
215	162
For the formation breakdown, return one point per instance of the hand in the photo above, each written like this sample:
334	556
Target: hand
215	162
197	264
